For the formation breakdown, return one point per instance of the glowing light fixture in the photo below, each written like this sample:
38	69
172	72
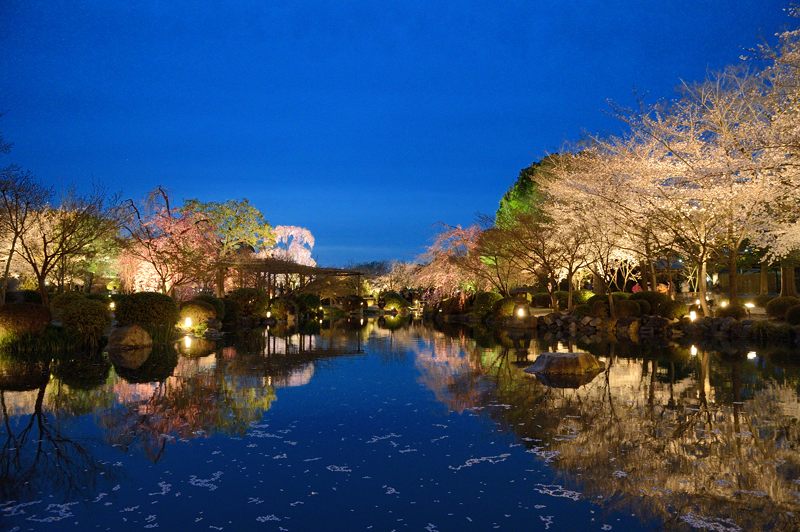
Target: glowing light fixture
750	305
693	351
696	301
521	312
752	355
112	305
269	314
361	321
692	315
723	304
187	342
187	322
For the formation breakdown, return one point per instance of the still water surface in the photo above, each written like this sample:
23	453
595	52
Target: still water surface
407	429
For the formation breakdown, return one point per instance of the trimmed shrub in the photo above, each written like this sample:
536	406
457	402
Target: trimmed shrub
156	313
627	309
504	308
676	310
22	319
581	311
484	302
81	372
732	311
251	302
308	302
281	307
541	299
86	319
792	315
660	304
778	306
644	306
61	301
217	303
393	301
198	312
159	365
621	295
24	296
763	299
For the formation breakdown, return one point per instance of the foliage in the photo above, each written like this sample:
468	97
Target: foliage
217	303
778	306
25	296
524	196
294	244
483	302
541	299
732	311
82	371
660	304
86	319
792	315
22	319
236	224
308	302
393	301
61	301
763	299
199	312
154	312
504	308
250	302
676	310
159	365
626	308
580	311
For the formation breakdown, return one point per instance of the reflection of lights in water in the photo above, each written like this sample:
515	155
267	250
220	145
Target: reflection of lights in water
692	315
187	322
693	351
752	355
187	342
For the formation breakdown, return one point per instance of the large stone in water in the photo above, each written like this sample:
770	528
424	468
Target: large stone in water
565	364
130	337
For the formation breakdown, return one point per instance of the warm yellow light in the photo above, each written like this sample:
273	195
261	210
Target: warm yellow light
521	312
187	342
187	322
696	301
692	315
751	355
361	321
723	304
750	305
693	351
112	305
320	322
320	307
269	314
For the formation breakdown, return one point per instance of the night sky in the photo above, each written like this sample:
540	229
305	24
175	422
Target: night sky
367	122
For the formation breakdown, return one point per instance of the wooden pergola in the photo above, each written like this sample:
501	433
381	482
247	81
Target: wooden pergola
282	277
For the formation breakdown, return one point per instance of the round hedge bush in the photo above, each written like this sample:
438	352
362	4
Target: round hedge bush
250	302
778	306
660	304
217	303
581	311
763	299
308	302
792	315
86	319
625	308
504	308
484	302
156	313
199	312
676	310
541	299
732	311
644	306
60	301
22	319
24	296
393	301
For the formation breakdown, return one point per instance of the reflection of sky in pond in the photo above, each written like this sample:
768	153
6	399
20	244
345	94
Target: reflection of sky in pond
422	430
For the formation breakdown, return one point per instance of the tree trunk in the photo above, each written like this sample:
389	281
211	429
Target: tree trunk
788	287
701	287
733	276
763	279
569	291
43	290
220	283
4	288
599	284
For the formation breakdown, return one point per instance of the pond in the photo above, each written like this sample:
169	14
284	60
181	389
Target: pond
383	426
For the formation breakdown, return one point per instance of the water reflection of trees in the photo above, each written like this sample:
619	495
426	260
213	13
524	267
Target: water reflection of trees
37	453
672	434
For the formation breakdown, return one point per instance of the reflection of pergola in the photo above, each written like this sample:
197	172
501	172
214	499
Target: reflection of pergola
272	274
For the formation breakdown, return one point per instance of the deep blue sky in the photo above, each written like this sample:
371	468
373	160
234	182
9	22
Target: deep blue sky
366	122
